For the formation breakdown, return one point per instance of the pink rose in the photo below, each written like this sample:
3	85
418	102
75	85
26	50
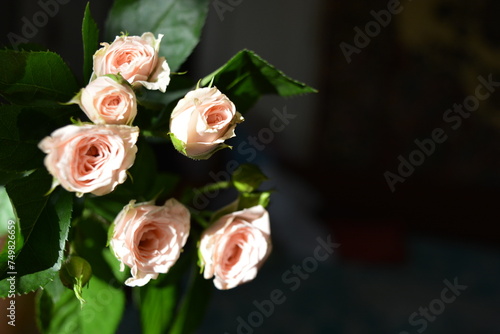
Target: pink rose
235	247
202	121
90	158
107	101
136	59
149	238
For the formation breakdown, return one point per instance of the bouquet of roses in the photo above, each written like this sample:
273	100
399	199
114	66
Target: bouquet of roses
89	213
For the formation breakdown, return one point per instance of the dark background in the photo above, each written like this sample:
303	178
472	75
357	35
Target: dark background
328	165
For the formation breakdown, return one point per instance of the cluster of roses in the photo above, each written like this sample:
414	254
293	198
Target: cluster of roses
94	158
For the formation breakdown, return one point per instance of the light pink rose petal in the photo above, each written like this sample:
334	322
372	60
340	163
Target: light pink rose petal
149	238
90	158
106	101
136	59
235	247
203	120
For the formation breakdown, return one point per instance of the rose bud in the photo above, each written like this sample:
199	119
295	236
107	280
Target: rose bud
107	100
202	121
90	158
75	270
136	59
235	247
76	273
149	238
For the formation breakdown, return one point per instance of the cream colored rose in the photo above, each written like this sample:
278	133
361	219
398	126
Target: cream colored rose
235	247
136	59
90	158
202	121
107	101
149	238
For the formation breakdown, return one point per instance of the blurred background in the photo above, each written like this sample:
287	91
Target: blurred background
388	74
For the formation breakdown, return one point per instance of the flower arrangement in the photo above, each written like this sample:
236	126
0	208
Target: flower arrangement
91	213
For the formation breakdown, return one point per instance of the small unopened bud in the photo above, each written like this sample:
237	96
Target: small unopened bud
75	273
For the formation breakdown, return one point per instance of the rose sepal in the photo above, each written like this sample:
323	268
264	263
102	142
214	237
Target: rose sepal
181	147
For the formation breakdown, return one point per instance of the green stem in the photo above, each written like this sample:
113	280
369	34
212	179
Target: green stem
200	220
214	186
190	195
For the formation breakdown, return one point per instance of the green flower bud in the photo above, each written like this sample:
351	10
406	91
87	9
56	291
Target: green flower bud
75	273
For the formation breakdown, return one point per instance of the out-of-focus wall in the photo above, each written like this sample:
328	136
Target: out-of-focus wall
286	34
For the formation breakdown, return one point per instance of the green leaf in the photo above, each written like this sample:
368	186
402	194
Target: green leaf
193	305
6	177
90	37
12	229
44	222
164	185
57	316
248	200
45	299
161	305
55	289
28	198
179	145
246	77
28	78
6	211
114	264
143	171
101	313
248	178
43	303
106	207
157	308
22	128
90	239
17	151
180	21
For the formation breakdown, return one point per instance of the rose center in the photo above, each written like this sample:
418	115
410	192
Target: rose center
112	102
149	241
234	254
92	152
214	119
124	58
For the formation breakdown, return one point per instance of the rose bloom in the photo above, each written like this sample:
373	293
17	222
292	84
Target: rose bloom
202	121
90	158
107	101
136	59
235	247
149	238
